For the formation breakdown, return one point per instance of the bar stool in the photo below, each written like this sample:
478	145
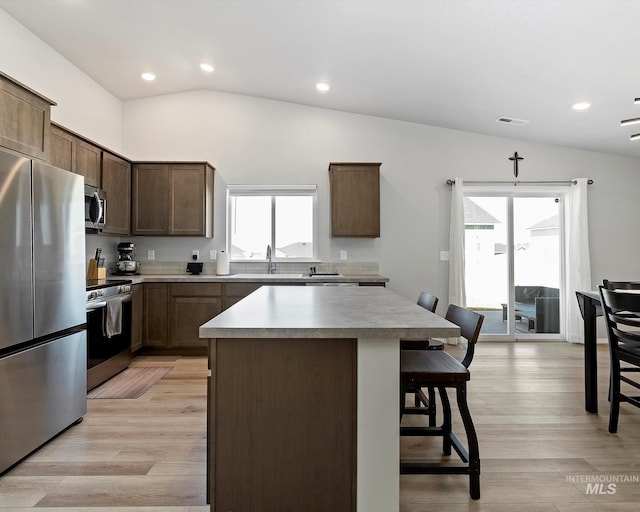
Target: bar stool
429	302
438	369
422	404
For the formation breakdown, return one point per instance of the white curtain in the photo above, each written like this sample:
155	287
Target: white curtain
578	263
456	246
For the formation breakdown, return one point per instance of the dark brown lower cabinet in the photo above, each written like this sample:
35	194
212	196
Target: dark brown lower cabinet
235	292
137	315
155	318
190	306
282	425
174	312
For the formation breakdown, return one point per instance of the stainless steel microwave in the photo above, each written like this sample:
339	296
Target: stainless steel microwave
95	208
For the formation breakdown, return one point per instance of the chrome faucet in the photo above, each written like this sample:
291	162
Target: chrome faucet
270	267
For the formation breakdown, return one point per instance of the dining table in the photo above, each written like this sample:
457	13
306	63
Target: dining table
590	308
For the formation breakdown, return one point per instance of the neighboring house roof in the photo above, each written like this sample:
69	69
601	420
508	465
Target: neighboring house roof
500	248
295	250
549	223
475	214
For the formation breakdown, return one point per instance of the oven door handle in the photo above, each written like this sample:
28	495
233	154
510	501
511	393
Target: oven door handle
103	303
96	305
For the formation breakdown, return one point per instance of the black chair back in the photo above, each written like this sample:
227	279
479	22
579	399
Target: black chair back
621	285
428	301
622	316
470	324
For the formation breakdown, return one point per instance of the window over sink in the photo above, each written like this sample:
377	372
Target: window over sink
283	217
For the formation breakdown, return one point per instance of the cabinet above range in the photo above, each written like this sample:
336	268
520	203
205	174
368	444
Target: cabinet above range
100	168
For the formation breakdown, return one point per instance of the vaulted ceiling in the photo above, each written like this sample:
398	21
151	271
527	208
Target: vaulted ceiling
458	64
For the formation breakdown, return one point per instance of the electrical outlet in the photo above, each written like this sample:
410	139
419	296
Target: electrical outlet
343	255
195	255
212	254
151	254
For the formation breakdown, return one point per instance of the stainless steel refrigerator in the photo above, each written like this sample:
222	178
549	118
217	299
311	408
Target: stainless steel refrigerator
43	359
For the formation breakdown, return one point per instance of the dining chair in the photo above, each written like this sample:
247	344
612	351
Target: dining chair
621	285
439	370
622	317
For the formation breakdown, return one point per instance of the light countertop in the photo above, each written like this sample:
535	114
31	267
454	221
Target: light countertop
326	312
253	278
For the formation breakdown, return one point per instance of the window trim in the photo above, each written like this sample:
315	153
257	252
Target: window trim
274	190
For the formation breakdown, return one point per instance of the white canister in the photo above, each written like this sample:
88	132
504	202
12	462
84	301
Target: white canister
222	263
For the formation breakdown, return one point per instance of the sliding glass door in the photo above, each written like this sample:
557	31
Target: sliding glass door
513	261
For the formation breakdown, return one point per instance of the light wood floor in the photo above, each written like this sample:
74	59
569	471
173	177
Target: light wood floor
526	398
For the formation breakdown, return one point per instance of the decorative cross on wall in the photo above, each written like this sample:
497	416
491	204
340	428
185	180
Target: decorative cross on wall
515	158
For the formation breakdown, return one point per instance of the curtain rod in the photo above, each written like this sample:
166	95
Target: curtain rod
514	183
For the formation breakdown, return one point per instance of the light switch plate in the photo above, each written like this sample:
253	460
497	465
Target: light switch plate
343	255
151	254
212	254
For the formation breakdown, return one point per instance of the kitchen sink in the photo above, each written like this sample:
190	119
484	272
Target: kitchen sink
268	276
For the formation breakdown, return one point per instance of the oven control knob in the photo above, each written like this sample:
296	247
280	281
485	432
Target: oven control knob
92	295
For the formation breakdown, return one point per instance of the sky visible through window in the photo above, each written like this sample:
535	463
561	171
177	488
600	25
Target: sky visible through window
251	227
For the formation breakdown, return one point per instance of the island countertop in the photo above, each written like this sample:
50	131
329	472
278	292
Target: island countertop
321	312
305	379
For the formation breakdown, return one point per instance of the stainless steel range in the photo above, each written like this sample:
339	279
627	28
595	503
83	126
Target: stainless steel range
108	329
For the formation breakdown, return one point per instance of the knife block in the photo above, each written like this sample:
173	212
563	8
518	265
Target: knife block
96	272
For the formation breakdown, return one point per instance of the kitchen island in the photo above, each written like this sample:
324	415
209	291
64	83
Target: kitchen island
303	402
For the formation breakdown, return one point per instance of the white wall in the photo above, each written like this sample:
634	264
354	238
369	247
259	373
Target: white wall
253	141
82	105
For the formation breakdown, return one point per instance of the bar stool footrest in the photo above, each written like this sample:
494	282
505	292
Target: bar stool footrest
433	468
460	449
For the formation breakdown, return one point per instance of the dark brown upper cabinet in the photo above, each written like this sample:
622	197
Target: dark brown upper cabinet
73	153
172	198
62	153
88	162
355	199
116	182
24	119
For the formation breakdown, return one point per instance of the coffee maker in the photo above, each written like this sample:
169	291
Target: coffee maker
126	264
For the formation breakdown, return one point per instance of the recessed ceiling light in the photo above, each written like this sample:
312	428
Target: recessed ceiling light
581	105
323	86
148	76
206	67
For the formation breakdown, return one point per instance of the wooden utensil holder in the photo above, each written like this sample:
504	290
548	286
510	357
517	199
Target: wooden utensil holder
96	272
